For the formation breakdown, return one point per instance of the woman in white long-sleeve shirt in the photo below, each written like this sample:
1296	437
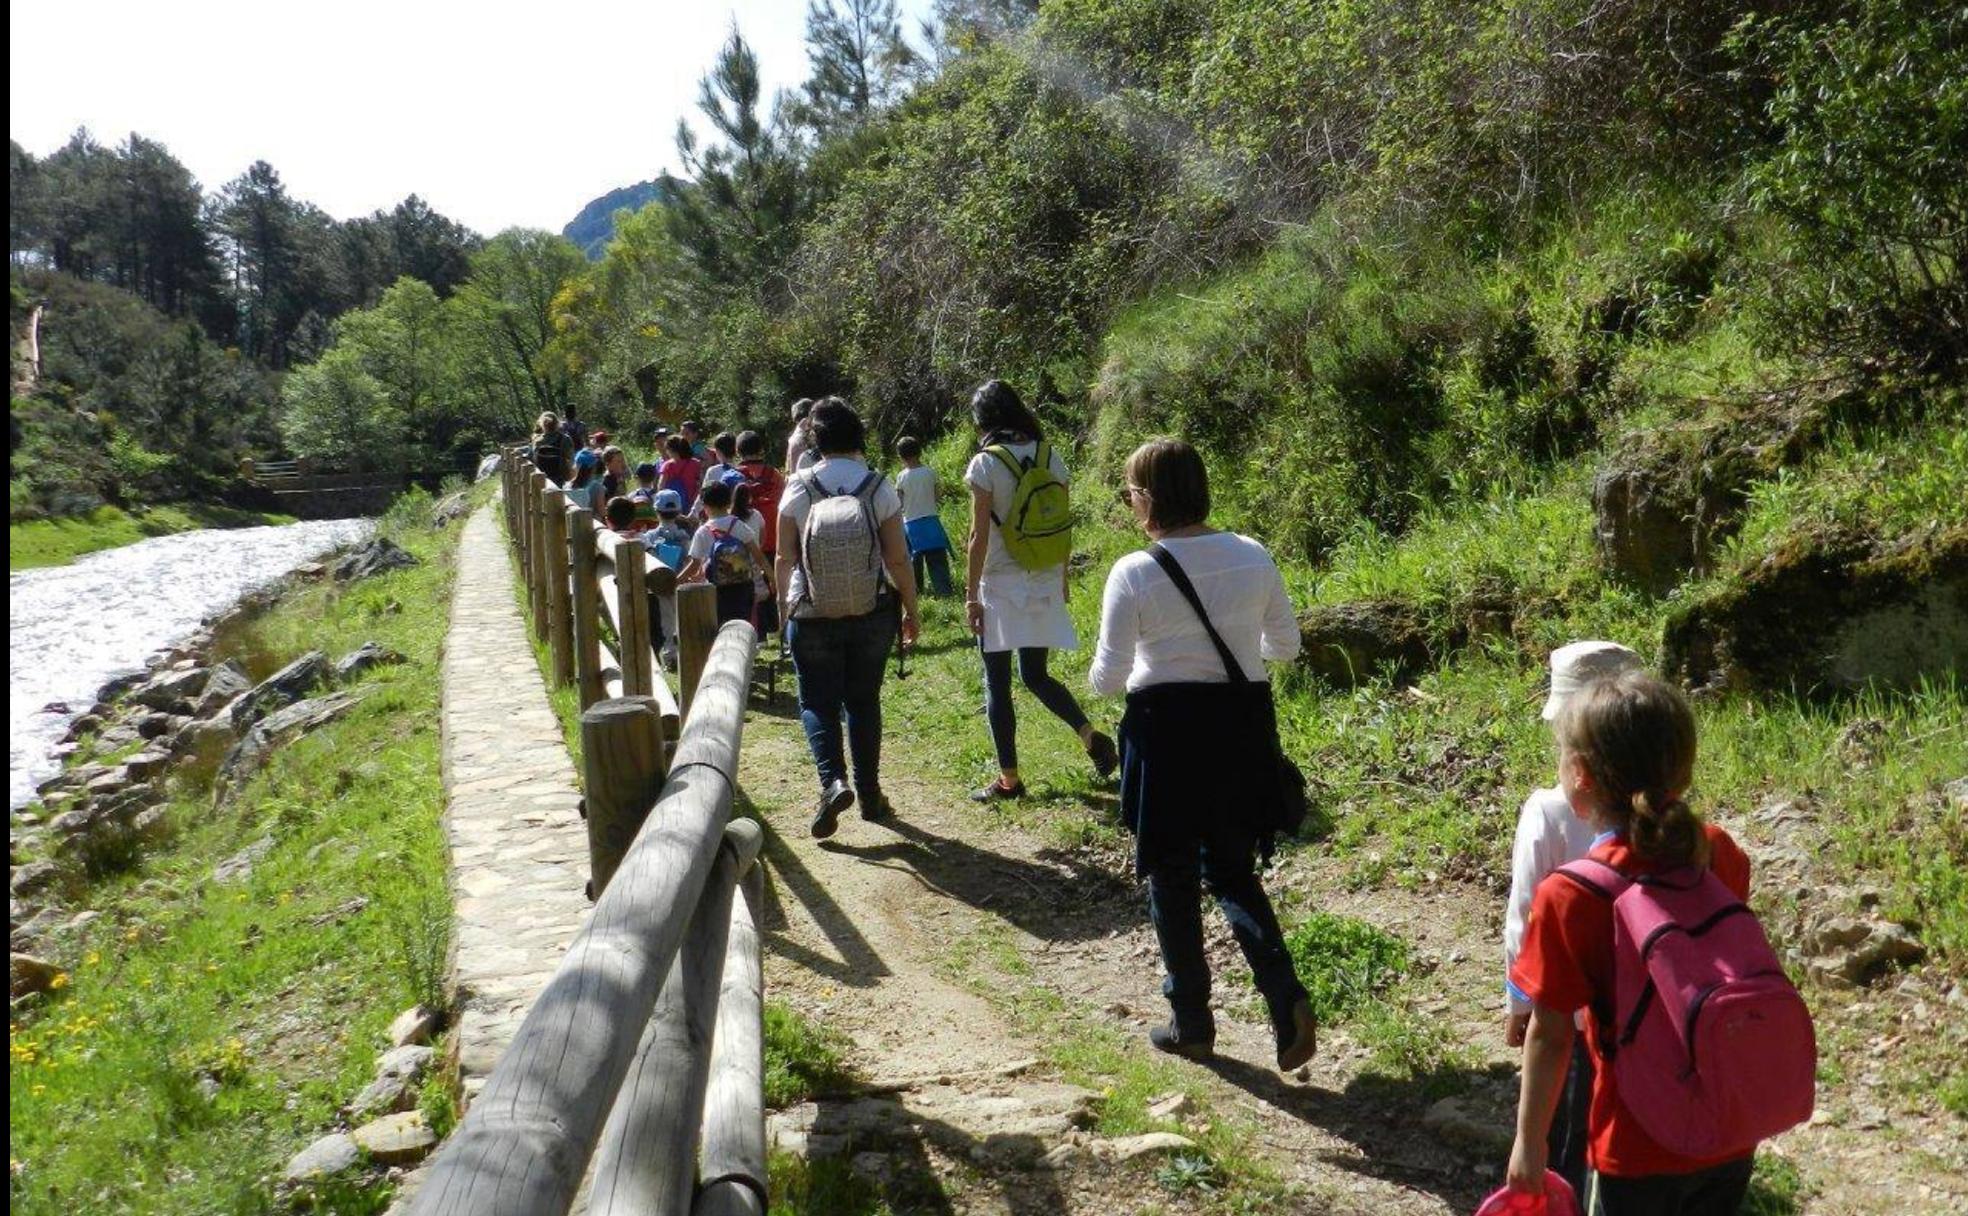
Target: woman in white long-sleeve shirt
1199	740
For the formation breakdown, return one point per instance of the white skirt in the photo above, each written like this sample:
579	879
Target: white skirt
1024	609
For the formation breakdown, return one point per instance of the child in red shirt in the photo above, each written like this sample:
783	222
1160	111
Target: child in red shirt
1626	755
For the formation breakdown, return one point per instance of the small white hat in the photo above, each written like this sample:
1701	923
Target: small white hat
1576	664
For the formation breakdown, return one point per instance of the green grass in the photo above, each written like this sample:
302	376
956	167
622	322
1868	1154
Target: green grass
802	1059
56	542
827	1187
277	989
1348	962
1776	1188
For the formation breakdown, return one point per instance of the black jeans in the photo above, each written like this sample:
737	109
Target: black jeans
839	665
1225	858
1715	1191
1569	1135
997	697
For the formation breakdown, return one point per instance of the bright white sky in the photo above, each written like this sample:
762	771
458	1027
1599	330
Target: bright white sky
498	114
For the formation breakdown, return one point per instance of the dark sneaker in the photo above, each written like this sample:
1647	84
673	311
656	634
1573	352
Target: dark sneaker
1298	1040
1105	756
836	798
874	805
997	791
1167	1038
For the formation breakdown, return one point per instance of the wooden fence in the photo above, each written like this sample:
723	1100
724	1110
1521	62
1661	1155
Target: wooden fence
639	1069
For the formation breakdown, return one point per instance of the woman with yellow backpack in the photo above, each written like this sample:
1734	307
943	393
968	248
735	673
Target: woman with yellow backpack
1021	533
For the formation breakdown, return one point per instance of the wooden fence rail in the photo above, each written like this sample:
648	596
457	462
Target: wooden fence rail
640	1066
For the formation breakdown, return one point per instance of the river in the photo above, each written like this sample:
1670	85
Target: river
71	629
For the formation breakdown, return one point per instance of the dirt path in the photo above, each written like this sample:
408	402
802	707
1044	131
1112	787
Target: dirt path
887	933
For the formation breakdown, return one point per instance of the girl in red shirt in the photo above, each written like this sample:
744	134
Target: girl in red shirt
1626	755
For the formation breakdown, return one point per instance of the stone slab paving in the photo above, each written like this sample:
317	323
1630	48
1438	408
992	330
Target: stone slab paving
519	851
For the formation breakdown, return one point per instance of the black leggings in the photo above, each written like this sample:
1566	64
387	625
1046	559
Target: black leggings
997	697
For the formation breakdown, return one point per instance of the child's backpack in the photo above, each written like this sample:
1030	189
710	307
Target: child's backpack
840	550
1711	1047
730	563
766	483
1037	524
550	457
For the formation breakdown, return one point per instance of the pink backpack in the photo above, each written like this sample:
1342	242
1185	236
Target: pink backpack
1710	1045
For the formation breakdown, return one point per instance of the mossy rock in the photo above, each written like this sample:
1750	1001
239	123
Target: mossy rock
1348	644
1830	612
1664	499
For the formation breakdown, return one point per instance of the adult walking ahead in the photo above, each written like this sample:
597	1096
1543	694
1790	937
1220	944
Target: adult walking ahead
840	530
1185	629
1015	591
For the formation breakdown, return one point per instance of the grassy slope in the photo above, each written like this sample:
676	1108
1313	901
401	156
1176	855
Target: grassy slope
56	542
279	987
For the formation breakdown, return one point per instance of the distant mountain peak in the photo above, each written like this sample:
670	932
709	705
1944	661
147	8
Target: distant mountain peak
595	226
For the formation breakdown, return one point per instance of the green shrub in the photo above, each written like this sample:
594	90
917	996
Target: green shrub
1344	962
801	1059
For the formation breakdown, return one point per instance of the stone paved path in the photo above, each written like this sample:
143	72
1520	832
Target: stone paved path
519	852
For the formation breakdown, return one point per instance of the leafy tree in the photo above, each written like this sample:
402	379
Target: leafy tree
265	238
336	412
405	344
613	323
504	324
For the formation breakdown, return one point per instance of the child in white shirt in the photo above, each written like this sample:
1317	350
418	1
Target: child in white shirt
1550	835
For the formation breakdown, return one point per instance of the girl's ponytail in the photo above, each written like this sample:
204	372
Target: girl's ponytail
1665	829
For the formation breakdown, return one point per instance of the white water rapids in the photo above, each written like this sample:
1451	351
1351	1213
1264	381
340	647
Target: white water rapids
71	629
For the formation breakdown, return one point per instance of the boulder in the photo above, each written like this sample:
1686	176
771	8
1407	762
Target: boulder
362	658
156	725
409	1062
227	680
401	1139
325	1158
239	866
283	687
152	826
146	764
1830	612
1463	1120
86	724
112	781
452	509
1130	1148
250	752
119	736
172	691
1348	644
26	973
1644	524
1855	950
383	1096
413	1026
374	556
33	878
201	733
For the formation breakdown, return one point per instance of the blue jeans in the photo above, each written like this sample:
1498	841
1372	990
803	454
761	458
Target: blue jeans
998	710
937	565
1224	857
839	666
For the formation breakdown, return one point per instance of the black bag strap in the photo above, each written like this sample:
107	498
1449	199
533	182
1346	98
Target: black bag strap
1180	578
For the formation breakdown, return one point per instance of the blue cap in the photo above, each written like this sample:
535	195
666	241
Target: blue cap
669	502
732	477
585	458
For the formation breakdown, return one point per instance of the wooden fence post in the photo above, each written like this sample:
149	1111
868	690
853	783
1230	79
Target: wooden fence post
697	628
622	761
731	1152
586	607
560	607
632	621
646	1163
536	579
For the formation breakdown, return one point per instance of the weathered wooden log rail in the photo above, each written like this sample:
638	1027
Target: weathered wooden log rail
640	1066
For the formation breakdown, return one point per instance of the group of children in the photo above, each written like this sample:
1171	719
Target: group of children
709	511
1661	1039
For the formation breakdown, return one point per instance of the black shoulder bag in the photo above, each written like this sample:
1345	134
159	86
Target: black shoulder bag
1289	807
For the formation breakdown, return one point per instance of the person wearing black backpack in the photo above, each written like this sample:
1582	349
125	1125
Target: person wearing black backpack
553	455
1186	627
